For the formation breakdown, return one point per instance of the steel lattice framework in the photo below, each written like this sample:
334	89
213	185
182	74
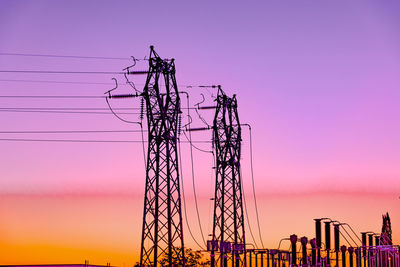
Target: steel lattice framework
228	227
386	235
162	236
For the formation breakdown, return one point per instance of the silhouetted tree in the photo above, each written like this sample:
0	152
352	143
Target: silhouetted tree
192	258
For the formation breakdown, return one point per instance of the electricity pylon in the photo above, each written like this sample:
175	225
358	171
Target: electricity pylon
162	235
228	237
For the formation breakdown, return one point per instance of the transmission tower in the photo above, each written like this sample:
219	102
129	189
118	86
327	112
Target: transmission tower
386	235
162	236
228	238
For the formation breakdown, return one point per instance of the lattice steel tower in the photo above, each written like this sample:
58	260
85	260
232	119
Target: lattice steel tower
228	238
162	236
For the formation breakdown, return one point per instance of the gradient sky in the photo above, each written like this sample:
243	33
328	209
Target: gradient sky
318	81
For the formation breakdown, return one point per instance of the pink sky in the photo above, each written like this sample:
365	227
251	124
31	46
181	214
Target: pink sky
317	81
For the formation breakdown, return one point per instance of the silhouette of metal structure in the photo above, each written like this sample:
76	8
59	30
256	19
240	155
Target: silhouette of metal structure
162	235
228	236
386	234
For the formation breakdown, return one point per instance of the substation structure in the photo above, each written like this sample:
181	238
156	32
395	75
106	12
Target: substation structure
377	252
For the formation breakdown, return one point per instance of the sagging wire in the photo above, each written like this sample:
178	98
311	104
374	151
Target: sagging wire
247	214
280	241
141	116
111	109
127	70
205	87
189	140
184	199
198	107
193	173
253	184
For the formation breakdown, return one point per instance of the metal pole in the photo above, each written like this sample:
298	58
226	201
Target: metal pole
337	242
343	249
293	241
328	242
318	238
364	245
303	242
351	250
313	252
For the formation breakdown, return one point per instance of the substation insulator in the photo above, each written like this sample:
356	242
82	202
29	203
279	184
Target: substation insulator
327	235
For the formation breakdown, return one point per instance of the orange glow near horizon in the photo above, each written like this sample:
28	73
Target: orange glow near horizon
39	229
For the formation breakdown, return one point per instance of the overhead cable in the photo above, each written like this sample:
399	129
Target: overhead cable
70	108
78	140
193	173
61	56
63	112
50	81
183	196
69	131
253	184
247	214
51	96
68	72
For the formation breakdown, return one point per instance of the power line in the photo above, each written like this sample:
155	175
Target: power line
67	140
60	72
183	196
349	235
197	148
247	215
69	72
193	174
65	112
77	140
67	108
49	81
253	184
50	96
119	117
79	82
70	131
61	56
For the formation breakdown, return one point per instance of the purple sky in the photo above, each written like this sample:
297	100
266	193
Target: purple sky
318	82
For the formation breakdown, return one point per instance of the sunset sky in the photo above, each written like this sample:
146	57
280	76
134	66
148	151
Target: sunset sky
318	81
